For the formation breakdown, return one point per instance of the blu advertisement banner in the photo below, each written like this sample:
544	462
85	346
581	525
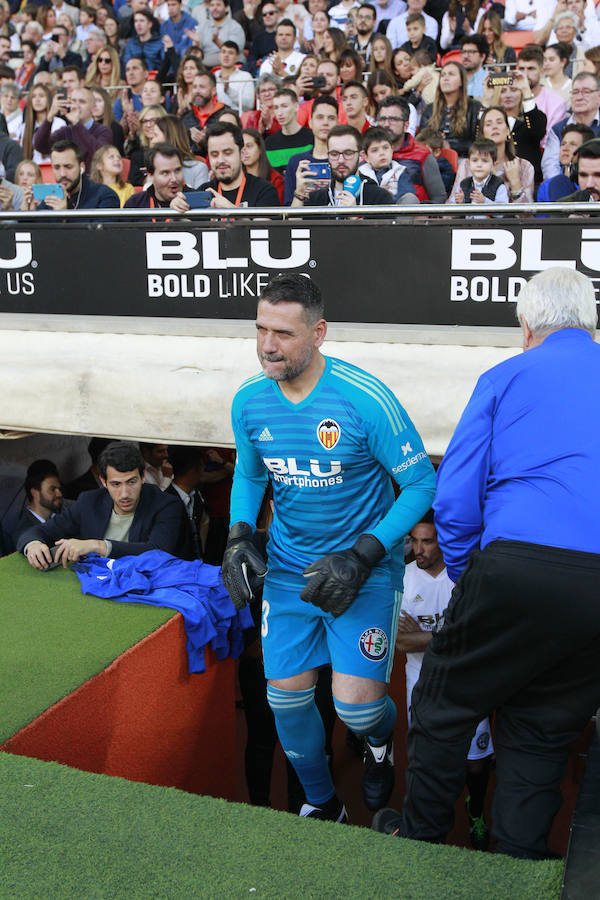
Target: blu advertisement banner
425	273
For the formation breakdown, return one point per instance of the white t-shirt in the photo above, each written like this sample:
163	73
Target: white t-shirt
425	598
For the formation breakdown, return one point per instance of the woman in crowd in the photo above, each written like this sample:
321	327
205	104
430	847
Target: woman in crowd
36	112
320	24
462	17
263	118
517	174
139	142
381	57
111	30
105	69
401	66
25	72
47	18
490	26
527	122
566	30
102	111
254	158
453	112
107	168
9	103
351	66
591	62
556	60
187	71
379	85
75	45
334	41
304	79
27	173
172	130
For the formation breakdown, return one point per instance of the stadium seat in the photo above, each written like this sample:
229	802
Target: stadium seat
452	157
452	56
47	173
517	39
125	168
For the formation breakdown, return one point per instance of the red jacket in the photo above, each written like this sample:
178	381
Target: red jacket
412	155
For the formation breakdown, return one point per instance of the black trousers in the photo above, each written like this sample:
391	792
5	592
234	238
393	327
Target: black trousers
521	637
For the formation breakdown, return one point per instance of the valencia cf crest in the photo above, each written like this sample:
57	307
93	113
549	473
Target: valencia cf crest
328	433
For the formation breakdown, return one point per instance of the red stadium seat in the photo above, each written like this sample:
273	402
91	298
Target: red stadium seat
452	56
47	173
452	157
517	39
125	168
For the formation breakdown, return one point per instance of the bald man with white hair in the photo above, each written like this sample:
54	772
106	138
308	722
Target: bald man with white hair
517	512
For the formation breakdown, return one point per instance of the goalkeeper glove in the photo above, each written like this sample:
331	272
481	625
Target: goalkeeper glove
336	579
243	566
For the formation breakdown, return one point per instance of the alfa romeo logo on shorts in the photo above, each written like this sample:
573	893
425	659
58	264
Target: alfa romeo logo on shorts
328	433
373	644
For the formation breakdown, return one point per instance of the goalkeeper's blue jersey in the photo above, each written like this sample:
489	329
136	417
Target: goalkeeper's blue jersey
329	458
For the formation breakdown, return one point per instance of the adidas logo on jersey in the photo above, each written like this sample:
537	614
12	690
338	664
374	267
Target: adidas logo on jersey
265	435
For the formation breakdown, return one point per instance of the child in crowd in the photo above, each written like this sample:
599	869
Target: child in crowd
417	39
435	141
482	186
379	166
87	19
423	69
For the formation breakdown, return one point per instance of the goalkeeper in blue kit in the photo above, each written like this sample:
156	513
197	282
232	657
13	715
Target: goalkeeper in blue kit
328	435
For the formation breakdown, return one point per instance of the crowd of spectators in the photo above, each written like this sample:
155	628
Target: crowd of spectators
106	84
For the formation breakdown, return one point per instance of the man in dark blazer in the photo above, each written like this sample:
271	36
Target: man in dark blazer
125	517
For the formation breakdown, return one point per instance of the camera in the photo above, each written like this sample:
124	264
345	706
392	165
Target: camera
318	82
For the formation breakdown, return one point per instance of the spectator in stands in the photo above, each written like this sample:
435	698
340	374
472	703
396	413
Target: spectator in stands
24	73
250	19
424	80
107	168
334	44
171	130
11	155
292	138
394	114
343	151
158	470
556	59
338	13
62	8
528	123
381	58
303	85
72	78
179	26
397	33
350	66
285	60
56	52
231	186
531	62
517	173
27	173
379	85
355	100
130	101
585	102
40	101
9	103
140	141
263	119
521	15
329	70
417	39
366	16
204	104
434	141
386	11
144	44
95	41
587	174
79	191
81	128
188	467
255	161
490	26
263	44
482	186
401	66
453	112
90	479
379	166
189	67
591	62
105	69
573	137
102	112
474	51
461	20
565	32
319	25
236	85
11	195
87	20
43	496
323	117
219	27
164	165
125	517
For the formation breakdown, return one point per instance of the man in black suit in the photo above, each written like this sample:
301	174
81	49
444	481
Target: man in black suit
188	468
125	517
43	496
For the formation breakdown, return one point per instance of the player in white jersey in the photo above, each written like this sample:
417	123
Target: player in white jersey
427	590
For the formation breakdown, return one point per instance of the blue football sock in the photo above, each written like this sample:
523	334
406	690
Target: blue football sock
375	720
302	736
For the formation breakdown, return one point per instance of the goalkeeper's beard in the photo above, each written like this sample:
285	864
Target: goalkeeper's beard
292	368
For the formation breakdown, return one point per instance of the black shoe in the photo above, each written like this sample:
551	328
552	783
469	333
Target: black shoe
388	821
331	811
378	778
478	830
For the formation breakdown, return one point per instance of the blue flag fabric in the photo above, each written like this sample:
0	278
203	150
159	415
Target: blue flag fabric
194	589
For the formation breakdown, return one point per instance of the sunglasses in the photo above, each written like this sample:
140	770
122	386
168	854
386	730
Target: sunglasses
106	59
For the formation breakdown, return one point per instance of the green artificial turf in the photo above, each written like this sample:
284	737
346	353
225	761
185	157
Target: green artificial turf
71	834
53	638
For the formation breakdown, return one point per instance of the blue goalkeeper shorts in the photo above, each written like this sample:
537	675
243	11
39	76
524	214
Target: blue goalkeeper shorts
298	636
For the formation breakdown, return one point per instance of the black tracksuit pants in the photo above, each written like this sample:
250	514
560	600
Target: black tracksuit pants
521	637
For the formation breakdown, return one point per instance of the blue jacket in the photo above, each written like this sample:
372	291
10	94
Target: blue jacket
152	52
176	31
556	188
522	464
156	522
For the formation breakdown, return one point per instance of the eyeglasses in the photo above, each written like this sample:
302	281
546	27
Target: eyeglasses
584	92
149	121
336	154
382	119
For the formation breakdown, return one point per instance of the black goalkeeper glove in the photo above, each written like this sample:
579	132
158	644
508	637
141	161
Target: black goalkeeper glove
243	566
336	579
